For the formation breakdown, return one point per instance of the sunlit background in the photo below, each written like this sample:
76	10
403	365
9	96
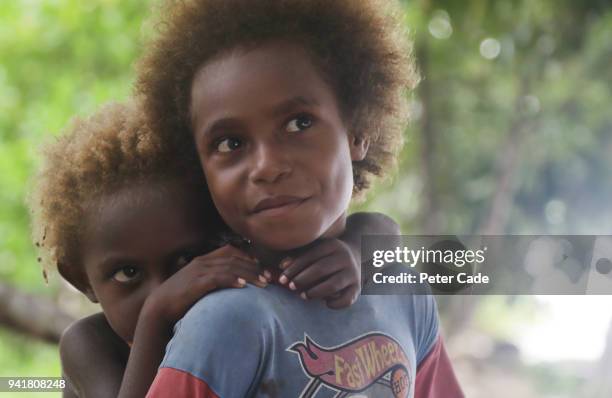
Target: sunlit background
511	134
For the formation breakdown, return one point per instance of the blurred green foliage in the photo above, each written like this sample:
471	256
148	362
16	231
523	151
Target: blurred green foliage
21	357
530	75
58	59
534	75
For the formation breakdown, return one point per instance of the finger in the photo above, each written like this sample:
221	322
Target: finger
329	287
239	251
244	271
203	262
293	266
346	298
315	273
210	282
228	250
252	272
254	277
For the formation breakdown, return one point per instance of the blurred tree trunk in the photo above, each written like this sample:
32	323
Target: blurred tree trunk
430	209
34	316
461	310
508	165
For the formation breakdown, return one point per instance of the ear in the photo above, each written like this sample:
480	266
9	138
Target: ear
75	277
358	147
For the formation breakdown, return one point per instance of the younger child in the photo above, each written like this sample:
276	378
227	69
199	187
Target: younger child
129	223
293	107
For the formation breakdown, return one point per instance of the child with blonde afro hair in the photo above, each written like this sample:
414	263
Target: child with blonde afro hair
127	220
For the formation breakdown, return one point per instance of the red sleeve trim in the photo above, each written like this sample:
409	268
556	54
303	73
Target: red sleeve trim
435	377
177	383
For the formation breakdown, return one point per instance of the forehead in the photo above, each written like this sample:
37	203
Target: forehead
141	209
256	77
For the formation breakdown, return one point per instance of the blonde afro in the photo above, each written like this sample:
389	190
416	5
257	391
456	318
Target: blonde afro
94	157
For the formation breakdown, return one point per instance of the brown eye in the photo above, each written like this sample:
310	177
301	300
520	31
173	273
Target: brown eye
298	124
228	145
126	274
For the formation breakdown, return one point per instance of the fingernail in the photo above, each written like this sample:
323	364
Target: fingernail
292	286
267	275
285	263
241	281
283	279
262	278
303	295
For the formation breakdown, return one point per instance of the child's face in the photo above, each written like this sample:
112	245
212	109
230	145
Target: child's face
134	240
273	144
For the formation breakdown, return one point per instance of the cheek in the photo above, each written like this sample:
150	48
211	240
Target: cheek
122	315
336	171
223	185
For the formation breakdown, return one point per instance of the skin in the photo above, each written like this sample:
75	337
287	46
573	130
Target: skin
92	337
137	255
278	161
326	256
140	237
142	256
275	131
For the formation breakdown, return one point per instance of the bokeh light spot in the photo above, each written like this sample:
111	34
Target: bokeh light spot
490	48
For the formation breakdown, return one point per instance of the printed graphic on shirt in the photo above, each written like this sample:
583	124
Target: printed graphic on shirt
371	365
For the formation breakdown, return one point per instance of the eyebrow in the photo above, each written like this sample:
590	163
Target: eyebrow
292	103
284	107
226	123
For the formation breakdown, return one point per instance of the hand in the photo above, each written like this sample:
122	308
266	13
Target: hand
226	267
327	270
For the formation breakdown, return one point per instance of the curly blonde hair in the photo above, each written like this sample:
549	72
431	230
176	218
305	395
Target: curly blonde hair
96	156
360	47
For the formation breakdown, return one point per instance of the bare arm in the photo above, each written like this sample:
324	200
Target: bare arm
359	224
69	390
331	268
226	267
150	340
93	358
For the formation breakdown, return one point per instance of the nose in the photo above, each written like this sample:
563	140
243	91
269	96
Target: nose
271	163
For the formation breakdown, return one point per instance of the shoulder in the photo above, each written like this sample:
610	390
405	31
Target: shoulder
246	306
227	316
427	323
236	318
83	333
90	323
378	221
90	333
419	312
89	348
223	339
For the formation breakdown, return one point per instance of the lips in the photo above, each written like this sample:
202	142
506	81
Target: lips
277	204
